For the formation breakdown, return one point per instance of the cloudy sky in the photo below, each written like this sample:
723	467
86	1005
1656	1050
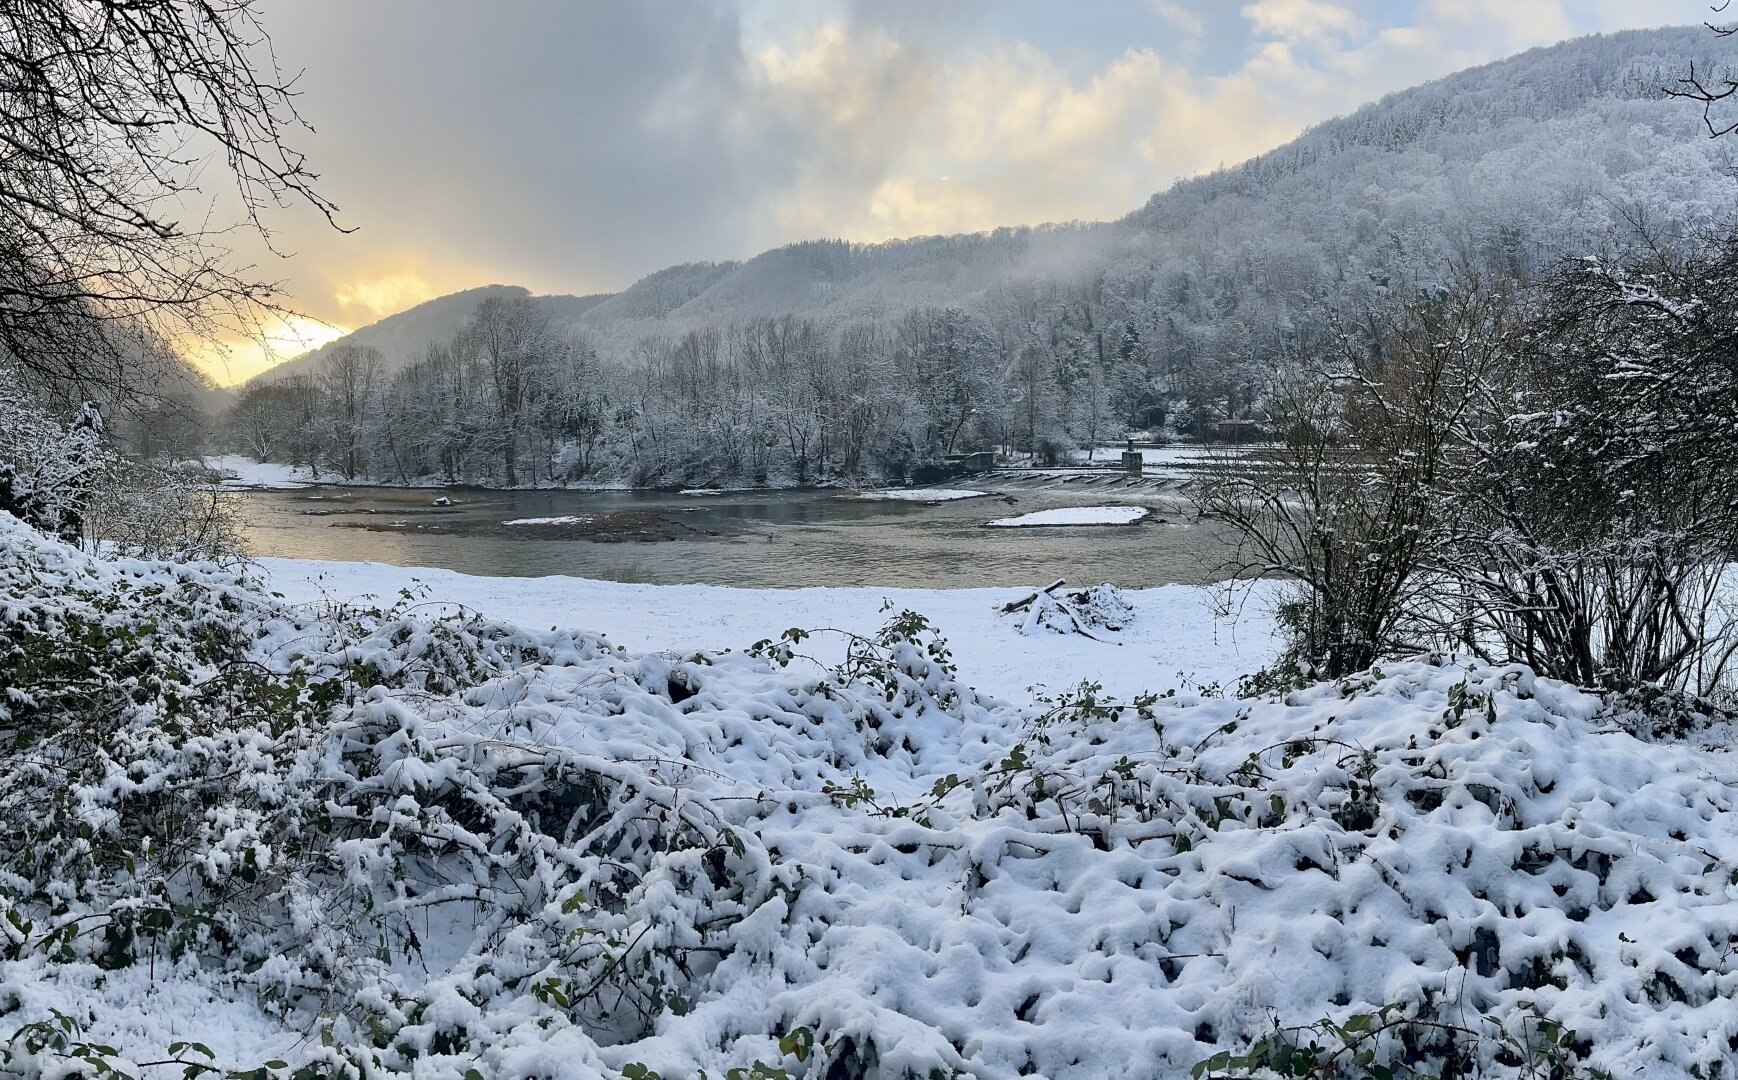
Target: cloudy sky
575	145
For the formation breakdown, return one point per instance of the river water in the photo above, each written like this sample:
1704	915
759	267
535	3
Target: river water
779	539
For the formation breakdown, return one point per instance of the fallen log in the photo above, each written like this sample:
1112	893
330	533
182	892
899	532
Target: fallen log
1009	609
1043	604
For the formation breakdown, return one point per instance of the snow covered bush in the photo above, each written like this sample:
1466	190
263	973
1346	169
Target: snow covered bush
448	846
70	481
1600	509
1542	476
47	469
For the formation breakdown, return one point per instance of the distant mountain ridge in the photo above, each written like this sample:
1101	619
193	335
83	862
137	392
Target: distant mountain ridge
403	338
1511	165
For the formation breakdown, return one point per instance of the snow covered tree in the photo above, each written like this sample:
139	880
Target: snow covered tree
1599	505
349	380
261	422
949	364
47	469
512	339
1349	502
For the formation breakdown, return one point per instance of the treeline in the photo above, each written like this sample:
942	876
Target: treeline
1545	476
1040	341
515	399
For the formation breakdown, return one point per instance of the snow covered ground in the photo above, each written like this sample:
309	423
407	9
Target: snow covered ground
1174	632
463	844
1074	515
239	471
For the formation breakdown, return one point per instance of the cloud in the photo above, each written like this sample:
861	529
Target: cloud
575	147
898	143
380	295
1179	17
1516	24
1303	20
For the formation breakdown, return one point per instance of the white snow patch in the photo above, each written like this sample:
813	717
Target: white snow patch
1075	515
238	471
564	519
928	495
1175	634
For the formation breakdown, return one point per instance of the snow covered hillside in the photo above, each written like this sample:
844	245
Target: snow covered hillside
1512	163
838	363
239	833
1506	166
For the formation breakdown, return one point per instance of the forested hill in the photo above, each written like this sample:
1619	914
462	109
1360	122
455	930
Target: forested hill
403	338
1174	317
1559	150
1513	163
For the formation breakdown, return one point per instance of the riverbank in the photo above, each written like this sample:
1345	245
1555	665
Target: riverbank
1175	639
1172	463
459	846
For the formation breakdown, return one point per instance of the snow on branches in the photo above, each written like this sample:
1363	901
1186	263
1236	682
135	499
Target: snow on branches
451	846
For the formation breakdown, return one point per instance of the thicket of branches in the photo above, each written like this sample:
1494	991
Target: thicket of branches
110	251
1546	476
516	399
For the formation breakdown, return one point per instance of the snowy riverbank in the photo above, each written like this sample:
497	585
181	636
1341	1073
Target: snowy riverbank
457	846
1174	629
1176	462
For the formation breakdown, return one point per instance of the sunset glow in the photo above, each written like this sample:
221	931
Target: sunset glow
232	362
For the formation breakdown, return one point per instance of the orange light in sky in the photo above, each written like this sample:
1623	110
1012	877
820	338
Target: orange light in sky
230	363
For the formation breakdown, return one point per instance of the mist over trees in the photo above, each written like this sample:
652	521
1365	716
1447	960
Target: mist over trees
830	361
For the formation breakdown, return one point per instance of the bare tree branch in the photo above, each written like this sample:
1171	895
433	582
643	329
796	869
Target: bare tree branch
110	110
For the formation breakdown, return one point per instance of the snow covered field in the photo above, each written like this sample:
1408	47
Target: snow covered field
238	471
1174	630
457	844
1074	515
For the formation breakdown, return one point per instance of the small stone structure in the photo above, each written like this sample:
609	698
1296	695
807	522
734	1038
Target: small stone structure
1132	462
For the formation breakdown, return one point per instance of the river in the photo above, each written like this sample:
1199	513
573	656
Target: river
777	539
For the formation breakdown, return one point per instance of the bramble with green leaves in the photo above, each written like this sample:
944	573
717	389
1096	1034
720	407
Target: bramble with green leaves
1397	1043
434	842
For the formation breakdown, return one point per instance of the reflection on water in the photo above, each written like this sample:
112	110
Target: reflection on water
764	539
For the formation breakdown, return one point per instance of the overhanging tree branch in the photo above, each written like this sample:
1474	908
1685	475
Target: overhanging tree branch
110	111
